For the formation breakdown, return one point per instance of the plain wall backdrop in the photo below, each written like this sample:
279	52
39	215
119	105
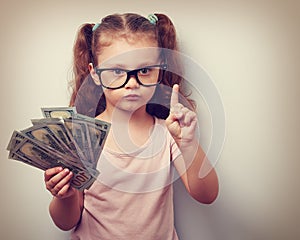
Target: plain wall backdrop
250	49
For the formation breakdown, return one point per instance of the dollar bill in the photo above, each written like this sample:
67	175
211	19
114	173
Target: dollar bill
58	128
46	139
83	178
14	141
101	124
32	153
98	137
43	134
98	131
26	161
80	134
63	138
59	112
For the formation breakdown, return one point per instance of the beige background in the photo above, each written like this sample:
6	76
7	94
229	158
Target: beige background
251	51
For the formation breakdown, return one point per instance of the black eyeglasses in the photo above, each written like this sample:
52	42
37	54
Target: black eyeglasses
114	78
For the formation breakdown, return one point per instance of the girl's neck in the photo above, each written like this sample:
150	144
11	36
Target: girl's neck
137	117
134	127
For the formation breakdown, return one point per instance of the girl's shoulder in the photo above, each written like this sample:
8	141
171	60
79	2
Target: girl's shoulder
161	128
159	121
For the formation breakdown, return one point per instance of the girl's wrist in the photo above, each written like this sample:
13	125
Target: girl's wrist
187	143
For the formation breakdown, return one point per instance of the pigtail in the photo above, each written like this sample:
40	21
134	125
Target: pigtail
82	56
166	32
85	95
166	37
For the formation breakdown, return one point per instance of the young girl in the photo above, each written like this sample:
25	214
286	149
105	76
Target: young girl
121	77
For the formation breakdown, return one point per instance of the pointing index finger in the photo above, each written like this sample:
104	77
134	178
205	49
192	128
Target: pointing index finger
174	96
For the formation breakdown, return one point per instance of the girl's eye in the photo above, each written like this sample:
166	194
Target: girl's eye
145	71
118	72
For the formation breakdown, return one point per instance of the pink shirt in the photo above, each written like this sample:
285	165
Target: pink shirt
133	195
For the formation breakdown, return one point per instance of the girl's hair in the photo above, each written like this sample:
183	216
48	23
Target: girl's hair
87	96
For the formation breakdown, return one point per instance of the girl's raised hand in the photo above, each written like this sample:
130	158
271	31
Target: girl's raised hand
57	181
181	121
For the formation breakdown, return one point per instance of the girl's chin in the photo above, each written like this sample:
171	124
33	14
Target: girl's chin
131	107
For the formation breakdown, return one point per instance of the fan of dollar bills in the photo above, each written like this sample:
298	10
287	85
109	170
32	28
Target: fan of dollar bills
63	138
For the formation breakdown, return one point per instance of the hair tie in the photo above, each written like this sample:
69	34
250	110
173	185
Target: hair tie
95	27
152	19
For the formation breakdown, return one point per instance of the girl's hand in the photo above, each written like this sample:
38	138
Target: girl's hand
57	182
181	121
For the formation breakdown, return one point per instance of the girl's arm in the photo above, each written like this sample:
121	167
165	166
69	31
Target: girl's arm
67	203
197	174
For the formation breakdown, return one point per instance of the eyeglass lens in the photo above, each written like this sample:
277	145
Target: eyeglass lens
114	78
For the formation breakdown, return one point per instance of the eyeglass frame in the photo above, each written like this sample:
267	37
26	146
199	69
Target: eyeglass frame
134	73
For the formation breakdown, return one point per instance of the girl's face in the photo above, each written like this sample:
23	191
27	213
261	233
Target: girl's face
122	54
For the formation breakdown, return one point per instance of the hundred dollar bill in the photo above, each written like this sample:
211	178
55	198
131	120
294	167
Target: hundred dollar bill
38	155
63	138
43	134
27	161
59	112
98	137
101	124
14	141
70	112
58	128
80	133
31	152
98	131
85	137
83	179
40	134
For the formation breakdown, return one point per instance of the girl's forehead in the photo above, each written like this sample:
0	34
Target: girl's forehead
129	53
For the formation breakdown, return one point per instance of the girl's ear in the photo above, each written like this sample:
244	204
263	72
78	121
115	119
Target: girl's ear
94	74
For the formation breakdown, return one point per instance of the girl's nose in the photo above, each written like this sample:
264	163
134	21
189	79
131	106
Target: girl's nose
132	82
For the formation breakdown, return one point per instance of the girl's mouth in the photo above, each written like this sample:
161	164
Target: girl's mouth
132	97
